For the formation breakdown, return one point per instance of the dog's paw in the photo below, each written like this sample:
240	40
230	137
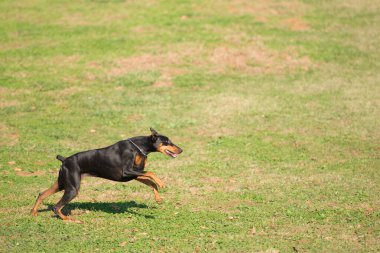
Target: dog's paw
34	213
159	200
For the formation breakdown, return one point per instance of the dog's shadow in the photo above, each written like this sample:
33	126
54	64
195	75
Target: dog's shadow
108	207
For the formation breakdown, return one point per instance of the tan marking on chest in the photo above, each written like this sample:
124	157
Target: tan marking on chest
139	159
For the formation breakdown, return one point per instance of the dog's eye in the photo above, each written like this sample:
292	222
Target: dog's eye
166	143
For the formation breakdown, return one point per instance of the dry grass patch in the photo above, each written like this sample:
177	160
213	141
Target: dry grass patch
30	174
287	14
137	63
296	24
8	103
269	7
239	54
75	19
255	58
357	5
143	29
68	91
264	10
13	45
89	15
8	135
165	62
165	80
218	110
12	92
61	60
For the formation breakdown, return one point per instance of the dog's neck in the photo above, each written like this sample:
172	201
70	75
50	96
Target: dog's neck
144	143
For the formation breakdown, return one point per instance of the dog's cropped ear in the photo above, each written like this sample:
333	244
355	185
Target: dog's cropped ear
154	133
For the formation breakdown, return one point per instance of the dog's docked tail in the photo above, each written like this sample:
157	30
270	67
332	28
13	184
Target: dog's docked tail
61	158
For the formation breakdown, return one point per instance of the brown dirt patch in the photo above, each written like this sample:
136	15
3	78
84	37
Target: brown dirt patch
63	60
359	5
296	24
29	174
69	91
253	58
143	29
8	103
215	180
119	88
12	92
265	9
238	53
270	11
13	45
165	62
74	19
135	117
39	163
136	63
165	80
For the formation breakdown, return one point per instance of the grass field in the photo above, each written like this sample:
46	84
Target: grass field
276	104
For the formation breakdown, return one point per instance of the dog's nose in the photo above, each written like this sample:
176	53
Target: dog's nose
179	150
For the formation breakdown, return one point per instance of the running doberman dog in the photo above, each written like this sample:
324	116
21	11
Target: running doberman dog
123	161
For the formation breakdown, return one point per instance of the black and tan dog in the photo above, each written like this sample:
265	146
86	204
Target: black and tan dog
123	161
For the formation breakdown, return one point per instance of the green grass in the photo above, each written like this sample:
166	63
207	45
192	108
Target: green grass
276	105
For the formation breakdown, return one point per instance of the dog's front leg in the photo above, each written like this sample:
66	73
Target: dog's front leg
148	182
152	176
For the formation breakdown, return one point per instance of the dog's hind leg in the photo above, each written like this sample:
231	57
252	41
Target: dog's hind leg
148	182
69	195
70	180
43	195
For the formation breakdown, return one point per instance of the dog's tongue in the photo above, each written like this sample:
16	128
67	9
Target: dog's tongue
174	155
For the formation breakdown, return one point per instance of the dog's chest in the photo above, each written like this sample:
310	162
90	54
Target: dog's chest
139	162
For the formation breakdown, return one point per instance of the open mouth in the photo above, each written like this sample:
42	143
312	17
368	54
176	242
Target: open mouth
168	152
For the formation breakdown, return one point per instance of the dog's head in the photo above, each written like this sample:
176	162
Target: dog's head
162	144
